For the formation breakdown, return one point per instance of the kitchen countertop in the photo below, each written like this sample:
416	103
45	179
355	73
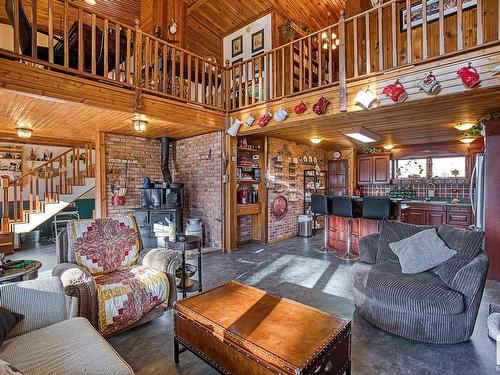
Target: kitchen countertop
407	202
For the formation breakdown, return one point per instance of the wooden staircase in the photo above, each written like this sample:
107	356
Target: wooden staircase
39	194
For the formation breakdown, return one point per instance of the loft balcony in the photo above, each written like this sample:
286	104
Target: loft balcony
62	50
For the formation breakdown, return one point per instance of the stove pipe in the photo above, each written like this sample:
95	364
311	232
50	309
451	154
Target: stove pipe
165	151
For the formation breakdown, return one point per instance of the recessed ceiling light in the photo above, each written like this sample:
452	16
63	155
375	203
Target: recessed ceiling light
388	147
467	140
316	140
90	2
463	126
362	135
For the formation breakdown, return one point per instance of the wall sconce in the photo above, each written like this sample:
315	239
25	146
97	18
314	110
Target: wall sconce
365	98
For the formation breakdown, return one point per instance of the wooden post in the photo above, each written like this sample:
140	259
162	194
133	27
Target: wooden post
100	176
4	182
137	56
226	86
34	15
342	64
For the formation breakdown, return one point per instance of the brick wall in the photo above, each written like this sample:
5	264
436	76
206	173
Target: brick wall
194	161
197	164
244	228
288	226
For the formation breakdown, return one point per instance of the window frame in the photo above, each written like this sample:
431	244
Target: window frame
428	171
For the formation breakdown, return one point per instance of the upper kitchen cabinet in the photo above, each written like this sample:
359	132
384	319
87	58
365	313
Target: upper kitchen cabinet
373	168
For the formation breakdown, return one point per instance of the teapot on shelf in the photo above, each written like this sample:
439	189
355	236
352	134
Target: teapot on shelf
281	114
469	76
396	92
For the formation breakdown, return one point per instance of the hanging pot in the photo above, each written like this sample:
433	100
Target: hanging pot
320	107
396	92
281	114
233	129
365	98
250	120
429	84
299	108
469	76
264	120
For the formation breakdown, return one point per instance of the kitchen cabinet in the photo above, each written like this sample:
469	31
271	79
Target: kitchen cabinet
437	214
373	168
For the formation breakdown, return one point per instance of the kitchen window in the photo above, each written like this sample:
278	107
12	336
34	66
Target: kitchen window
448	166
411	168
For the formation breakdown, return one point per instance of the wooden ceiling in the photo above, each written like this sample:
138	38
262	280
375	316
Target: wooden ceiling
70	121
210	20
422	122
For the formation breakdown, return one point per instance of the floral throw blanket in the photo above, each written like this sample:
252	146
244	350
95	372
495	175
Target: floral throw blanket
125	296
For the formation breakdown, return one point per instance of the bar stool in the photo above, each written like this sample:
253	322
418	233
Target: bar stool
322	205
343	207
376	208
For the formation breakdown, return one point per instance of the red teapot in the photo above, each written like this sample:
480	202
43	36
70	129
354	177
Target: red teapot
299	108
264	120
320	107
396	92
469	76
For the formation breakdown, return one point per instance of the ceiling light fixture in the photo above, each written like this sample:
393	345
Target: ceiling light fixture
23	132
140	124
388	147
90	2
361	134
467	140
463	126
316	140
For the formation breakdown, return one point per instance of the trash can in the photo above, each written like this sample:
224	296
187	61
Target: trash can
305	225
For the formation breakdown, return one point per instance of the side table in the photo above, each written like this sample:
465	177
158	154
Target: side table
190	243
21	274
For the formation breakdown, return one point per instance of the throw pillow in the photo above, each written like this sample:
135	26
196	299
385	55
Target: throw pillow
7	369
8	320
103	246
394	231
467	244
421	252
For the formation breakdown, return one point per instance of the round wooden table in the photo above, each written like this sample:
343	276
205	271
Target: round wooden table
21	274
190	243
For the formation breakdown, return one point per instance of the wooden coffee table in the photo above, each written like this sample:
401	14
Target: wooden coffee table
21	274
238	329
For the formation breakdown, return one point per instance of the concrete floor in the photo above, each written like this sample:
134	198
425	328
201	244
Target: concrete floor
292	269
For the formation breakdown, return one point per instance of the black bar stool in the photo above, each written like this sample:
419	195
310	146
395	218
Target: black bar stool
322	205
343	207
376	208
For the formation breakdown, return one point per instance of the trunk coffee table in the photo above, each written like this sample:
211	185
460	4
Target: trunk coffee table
238	329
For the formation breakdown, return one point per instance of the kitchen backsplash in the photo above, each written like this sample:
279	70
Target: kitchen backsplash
444	188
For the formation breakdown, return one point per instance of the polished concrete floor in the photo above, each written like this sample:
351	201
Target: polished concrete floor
292	269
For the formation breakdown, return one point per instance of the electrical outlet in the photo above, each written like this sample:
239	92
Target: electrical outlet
225	178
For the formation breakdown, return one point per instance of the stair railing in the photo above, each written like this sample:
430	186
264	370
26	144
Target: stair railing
45	183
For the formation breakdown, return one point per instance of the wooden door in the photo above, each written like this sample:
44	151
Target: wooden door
337	177
364	170
416	217
435	218
380	172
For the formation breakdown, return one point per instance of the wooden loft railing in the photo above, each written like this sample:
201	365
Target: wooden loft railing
44	184
359	47
84	43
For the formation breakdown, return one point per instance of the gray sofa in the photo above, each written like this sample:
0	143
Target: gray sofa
427	306
45	342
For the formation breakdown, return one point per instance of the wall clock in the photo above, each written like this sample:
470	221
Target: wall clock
337	154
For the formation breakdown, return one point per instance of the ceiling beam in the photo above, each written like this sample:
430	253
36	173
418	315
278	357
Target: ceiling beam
195	5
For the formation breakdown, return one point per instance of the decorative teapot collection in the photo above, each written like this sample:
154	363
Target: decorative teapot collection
365	98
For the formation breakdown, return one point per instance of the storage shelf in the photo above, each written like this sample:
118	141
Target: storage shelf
248	209
248	149
249	181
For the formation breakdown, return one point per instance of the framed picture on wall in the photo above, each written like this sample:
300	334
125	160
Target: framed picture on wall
258	41
237	46
449	6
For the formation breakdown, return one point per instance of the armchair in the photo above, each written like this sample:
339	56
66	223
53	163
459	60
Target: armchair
45	342
94	258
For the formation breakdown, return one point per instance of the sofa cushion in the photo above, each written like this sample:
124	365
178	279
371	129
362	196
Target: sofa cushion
467	244
124	297
102	246
8	320
423	293
69	347
7	369
421	252
394	231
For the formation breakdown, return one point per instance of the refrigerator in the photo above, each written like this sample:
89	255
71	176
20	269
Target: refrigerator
477	192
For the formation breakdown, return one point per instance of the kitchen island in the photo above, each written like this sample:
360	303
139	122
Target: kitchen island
434	212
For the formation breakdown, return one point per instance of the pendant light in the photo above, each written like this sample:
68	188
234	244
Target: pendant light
24	133
140	124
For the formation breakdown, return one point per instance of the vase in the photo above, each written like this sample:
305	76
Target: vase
194	228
